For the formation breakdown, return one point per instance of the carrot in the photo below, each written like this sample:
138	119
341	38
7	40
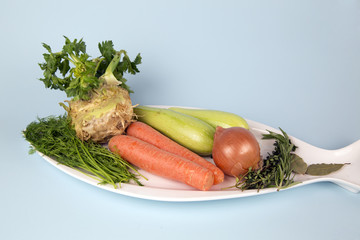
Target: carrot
160	162
150	135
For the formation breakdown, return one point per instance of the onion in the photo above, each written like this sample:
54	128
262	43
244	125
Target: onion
235	150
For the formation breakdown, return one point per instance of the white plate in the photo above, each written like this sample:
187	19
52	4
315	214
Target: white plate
158	188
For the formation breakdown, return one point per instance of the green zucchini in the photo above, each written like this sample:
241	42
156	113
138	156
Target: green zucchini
214	117
188	131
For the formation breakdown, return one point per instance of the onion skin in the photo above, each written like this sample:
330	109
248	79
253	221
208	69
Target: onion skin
235	150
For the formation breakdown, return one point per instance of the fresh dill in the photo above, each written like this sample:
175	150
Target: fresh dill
54	137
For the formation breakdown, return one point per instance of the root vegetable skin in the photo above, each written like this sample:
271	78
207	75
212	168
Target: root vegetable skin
150	135
235	150
106	114
160	162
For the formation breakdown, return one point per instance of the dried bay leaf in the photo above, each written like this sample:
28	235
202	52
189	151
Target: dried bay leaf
298	165
322	169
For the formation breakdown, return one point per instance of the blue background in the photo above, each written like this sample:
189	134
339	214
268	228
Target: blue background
288	64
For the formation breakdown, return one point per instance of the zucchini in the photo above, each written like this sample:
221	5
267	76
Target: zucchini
188	131
214	117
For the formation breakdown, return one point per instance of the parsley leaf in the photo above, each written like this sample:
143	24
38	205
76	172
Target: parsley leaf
73	71
107	50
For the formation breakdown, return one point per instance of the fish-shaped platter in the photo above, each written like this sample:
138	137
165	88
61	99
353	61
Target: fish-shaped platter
161	189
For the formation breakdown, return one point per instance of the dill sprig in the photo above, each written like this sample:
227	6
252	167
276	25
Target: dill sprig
276	169
54	137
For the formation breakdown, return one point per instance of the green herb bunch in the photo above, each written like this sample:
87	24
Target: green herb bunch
276	169
54	137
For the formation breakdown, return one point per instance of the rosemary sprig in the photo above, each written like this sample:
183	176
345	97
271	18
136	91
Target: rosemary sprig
54	137
276	169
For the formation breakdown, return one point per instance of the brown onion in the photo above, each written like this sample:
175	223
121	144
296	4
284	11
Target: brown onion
235	150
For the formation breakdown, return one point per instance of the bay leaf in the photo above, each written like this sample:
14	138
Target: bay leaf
322	169
298	165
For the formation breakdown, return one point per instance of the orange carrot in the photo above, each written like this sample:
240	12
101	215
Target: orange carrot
150	135
160	162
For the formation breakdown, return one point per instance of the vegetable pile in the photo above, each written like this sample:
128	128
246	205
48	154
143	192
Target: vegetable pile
103	136
234	148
